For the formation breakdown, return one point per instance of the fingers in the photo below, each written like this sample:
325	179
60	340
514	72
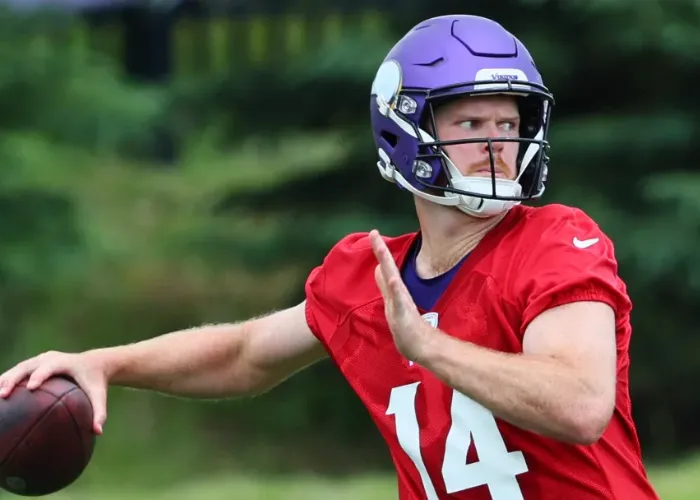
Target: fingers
40	368
381	282
388	277
12	377
386	274
399	298
96	391
383	255
42	373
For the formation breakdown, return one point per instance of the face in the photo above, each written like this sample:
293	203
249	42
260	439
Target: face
479	117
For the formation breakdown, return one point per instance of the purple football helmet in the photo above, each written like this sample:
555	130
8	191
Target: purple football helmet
450	56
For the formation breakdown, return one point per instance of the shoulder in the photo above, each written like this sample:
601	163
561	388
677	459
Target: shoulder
344	280
566	257
354	252
560	230
548	219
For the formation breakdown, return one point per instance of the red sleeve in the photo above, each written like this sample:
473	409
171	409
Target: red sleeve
571	260
326	287
320	317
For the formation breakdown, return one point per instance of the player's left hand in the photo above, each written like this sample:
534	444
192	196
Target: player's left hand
407	326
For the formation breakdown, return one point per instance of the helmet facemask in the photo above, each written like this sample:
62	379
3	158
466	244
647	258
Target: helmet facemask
475	192
432	174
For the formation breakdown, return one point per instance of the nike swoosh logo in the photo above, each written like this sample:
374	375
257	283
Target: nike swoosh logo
585	243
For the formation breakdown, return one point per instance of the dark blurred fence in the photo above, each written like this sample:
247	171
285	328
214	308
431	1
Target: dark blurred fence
196	37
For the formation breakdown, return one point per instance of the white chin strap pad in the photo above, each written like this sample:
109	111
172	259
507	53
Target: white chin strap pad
475	205
484	207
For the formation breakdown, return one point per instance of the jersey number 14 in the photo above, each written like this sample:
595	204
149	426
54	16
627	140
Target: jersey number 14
497	467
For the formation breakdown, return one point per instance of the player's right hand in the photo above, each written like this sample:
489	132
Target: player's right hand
86	369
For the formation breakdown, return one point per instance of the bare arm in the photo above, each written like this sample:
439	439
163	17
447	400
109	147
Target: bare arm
562	386
216	361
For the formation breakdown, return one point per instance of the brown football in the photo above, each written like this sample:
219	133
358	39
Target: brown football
46	437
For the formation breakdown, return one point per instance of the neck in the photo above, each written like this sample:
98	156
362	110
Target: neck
447	236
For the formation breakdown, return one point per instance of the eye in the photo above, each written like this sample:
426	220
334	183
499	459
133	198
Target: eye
509	126
468	124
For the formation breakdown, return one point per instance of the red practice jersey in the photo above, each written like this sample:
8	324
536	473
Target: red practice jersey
443	444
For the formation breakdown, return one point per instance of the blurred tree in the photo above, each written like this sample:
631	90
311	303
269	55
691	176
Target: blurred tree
278	164
624	126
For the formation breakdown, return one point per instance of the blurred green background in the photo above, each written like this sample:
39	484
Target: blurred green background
169	164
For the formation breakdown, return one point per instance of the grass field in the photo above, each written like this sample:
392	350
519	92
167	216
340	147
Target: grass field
679	482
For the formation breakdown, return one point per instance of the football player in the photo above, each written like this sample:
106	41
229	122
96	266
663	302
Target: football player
490	347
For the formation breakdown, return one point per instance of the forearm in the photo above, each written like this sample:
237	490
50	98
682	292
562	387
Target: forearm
199	362
537	393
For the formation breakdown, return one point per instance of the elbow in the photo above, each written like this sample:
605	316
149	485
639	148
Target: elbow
587	433
587	425
242	382
249	381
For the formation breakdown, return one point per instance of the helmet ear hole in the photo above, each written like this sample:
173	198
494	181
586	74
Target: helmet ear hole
533	120
391	139
531	115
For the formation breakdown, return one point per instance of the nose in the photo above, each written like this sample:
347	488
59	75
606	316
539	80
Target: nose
497	146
